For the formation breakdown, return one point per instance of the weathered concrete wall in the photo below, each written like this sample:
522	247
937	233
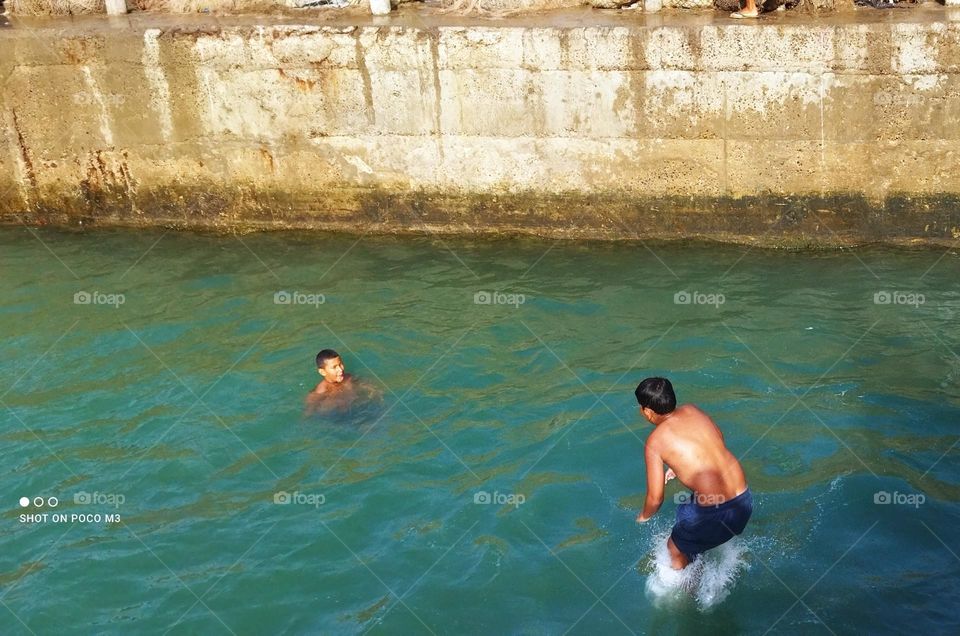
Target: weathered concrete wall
797	131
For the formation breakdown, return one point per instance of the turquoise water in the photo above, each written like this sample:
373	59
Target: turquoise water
174	400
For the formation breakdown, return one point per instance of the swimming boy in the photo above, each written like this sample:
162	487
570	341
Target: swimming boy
336	390
692	446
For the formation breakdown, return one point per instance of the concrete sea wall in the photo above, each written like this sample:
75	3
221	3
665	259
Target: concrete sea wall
793	130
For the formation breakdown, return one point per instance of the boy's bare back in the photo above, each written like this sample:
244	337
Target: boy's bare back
691	444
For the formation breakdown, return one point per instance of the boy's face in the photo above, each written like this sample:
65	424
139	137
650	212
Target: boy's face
332	370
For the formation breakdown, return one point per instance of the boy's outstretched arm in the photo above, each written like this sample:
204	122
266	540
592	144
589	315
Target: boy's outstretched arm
655	482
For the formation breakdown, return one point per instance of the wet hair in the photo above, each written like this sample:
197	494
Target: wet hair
657	395
326	354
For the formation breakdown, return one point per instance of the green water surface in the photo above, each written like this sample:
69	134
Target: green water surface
174	399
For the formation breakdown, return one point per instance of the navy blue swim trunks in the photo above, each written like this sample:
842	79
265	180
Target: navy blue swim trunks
701	527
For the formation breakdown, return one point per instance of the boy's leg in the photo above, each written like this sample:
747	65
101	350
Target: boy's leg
677	558
748	11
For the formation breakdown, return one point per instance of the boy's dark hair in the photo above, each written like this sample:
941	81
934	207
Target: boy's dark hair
656	394
326	354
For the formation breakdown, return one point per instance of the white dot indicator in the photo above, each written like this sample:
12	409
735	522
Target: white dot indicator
24	502
38	502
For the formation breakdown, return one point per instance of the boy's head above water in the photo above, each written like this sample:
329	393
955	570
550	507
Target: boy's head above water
330	366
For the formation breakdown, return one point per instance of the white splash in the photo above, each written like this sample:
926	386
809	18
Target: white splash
708	580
